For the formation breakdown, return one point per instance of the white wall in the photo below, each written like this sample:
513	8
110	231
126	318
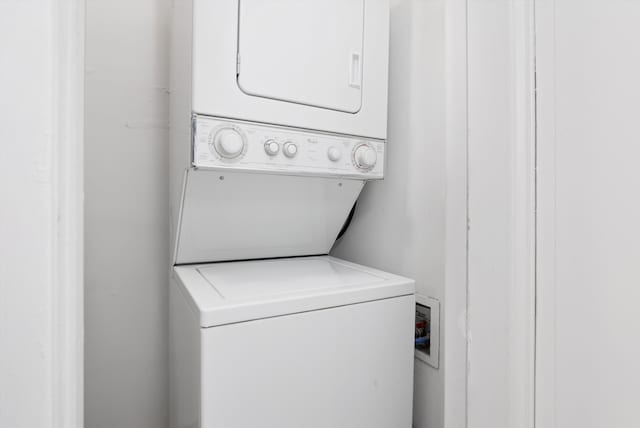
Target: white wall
589	181
586	181
127	209
399	224
454	321
501	214
26	214
40	214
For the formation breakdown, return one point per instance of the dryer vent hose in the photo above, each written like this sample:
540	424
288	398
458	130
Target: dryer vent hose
347	222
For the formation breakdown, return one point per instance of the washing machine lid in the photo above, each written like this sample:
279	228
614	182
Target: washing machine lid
225	293
313	51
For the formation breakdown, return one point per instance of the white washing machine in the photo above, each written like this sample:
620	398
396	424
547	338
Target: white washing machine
278	118
310	342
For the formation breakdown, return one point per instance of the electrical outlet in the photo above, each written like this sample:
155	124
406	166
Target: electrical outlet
427	333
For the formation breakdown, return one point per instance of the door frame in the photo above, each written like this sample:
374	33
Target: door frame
67	298
546	215
454	311
501	218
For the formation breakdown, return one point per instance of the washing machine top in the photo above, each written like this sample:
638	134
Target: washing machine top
225	293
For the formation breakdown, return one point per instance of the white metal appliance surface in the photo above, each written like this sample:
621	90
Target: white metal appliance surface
256	191
312	342
320	65
236	215
244	146
278	117
273	87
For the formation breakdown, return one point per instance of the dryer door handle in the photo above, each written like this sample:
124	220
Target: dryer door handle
355	70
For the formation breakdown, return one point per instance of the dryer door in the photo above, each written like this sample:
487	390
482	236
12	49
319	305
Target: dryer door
302	51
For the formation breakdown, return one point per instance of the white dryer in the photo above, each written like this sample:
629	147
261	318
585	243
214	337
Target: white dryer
263	90
311	342
317	65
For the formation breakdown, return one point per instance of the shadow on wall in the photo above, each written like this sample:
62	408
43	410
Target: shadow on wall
126	213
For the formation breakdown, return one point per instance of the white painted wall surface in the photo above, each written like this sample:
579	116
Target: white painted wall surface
589	88
489	214
399	224
501	214
26	217
127	249
490	145
40	215
127	209
454	319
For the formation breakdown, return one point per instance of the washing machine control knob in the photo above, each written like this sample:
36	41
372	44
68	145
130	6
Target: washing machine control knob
229	143
364	157
290	149
334	154
271	147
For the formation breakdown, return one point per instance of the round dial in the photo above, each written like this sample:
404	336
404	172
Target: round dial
271	147
229	143
290	149
365	157
334	154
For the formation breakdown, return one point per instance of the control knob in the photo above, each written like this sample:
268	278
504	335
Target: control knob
334	154
290	149
228	143
271	147
365	157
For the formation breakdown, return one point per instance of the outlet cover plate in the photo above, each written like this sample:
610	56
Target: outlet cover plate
433	357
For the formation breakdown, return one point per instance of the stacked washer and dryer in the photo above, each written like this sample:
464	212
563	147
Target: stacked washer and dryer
279	111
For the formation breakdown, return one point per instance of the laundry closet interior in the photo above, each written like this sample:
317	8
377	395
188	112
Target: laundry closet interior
265	213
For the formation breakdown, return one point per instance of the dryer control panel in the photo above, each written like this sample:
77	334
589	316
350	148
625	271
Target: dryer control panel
245	146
